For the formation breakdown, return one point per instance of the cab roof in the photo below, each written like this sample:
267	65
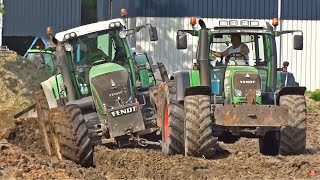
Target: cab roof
89	28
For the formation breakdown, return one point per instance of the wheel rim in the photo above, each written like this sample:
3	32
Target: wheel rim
166	124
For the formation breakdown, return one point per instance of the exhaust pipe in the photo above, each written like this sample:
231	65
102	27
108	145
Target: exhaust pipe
62	63
203	55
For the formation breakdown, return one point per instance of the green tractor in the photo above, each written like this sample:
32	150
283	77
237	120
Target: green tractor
43	59
100	95
224	99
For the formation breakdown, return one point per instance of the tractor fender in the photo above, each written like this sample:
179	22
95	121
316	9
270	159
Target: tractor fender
198	90
292	91
46	86
182	82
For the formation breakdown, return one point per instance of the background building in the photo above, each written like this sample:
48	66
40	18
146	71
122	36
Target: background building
26	19
171	15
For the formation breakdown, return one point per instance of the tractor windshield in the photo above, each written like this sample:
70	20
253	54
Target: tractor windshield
250	49
241	49
99	47
92	49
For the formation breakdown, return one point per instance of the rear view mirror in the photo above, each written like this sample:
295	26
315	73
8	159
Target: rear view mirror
298	42
181	40
153	34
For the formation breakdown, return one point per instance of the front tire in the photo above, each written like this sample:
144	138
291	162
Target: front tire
291	139
293	136
73	139
198	132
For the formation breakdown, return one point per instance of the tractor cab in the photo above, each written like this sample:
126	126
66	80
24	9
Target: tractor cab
43	59
98	49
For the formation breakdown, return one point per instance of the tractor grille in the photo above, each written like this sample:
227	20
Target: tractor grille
112	86
244	81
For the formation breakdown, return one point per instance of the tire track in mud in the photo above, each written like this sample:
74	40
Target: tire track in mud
241	160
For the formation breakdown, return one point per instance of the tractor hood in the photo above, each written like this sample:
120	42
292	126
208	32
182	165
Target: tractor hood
239	80
110	84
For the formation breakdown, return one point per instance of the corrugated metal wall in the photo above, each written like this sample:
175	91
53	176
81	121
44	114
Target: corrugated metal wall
31	17
303	63
262	9
300	9
295	14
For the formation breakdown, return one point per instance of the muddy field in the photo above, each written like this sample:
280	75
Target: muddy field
22	156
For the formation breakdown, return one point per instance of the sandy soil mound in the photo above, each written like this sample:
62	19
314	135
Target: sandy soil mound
19	78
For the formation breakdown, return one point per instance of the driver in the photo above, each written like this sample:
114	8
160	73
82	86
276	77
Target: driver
238	49
95	54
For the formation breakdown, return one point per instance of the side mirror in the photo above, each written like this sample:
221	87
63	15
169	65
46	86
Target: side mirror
181	40
298	42
153	34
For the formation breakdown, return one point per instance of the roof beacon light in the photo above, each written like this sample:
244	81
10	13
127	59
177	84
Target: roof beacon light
275	22
233	22
49	30
123	13
193	21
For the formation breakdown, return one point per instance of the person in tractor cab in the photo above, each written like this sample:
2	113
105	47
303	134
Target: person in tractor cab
94	54
238	50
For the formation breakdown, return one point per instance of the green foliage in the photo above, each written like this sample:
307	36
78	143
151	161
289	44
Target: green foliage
315	95
1	9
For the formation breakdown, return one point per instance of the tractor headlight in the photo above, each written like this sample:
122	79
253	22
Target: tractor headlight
147	66
67	36
73	34
112	25
68	47
237	93
258	93
118	24
122	34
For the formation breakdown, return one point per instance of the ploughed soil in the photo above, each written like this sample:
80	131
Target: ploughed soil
22	155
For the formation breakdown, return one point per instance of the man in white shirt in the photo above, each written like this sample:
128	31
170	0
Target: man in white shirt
238	50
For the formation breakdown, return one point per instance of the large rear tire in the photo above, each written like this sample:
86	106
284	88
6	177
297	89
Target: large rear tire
73	139
172	119
43	120
293	136
198	132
